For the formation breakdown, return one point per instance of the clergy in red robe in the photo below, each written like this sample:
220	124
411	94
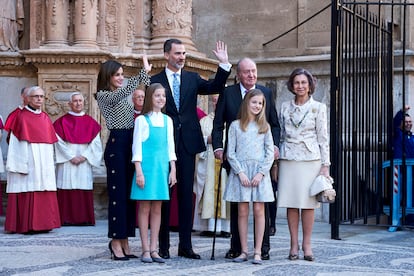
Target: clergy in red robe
1	164
31	184
1	154
10	118
78	149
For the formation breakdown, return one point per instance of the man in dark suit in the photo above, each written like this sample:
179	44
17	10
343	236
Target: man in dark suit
182	88
227	109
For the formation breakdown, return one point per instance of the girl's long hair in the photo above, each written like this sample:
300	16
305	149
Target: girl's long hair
148	107
260	118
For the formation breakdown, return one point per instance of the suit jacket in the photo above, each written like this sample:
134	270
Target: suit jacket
227	108
187	128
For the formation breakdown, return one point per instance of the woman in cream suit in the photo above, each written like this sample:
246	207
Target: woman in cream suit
304	148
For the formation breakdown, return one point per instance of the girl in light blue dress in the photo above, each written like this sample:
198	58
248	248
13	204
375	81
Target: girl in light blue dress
250	153
154	157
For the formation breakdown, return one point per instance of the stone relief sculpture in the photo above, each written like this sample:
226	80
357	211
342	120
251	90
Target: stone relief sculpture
111	27
130	23
176	15
11	24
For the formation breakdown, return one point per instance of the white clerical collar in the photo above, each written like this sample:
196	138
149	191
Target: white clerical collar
35	111
76	114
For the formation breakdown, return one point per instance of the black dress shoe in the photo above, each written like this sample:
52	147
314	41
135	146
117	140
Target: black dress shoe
206	234
231	254
272	231
164	253
265	256
224	234
188	253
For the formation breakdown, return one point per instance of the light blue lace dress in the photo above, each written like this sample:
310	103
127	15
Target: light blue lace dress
251	153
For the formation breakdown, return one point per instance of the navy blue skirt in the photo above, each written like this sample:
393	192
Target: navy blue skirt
119	173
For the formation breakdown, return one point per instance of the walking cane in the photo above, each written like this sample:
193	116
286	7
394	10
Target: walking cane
216	212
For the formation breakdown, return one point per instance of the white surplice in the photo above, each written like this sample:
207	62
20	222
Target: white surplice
30	167
1	153
70	176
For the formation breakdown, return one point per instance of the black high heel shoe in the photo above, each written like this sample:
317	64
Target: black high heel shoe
294	256
115	257
131	256
309	258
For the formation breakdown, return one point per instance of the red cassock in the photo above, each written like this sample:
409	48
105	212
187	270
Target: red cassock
33	209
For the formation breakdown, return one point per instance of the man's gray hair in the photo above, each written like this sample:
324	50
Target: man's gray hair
33	89
74	94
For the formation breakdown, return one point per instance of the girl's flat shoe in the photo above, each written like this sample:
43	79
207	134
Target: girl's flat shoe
146	259
241	258
255	261
157	259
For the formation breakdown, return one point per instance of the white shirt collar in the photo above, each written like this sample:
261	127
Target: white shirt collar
243	89
170	72
155	114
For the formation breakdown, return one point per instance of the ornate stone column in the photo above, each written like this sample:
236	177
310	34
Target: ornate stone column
85	23
142	26
56	19
101	25
171	18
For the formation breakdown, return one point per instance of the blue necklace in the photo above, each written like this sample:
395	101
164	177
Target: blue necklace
297	125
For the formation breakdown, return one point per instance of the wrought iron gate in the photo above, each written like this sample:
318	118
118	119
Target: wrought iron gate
361	111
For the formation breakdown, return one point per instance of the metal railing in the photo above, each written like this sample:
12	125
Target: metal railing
361	109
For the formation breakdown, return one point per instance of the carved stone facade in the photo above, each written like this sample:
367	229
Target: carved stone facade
11	24
60	44
64	42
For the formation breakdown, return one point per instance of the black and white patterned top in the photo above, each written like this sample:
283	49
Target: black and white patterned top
115	106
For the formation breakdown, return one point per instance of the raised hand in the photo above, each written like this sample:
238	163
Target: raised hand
221	52
147	66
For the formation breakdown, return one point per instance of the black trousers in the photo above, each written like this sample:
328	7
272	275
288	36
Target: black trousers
273	207
185	167
234	229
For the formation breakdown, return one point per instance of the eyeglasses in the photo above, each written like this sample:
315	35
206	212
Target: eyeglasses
37	96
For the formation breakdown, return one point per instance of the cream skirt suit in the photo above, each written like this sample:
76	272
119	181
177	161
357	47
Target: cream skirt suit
304	148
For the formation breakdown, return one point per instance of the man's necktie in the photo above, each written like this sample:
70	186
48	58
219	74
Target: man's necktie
176	90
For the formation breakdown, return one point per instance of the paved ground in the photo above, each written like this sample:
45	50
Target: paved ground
362	250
